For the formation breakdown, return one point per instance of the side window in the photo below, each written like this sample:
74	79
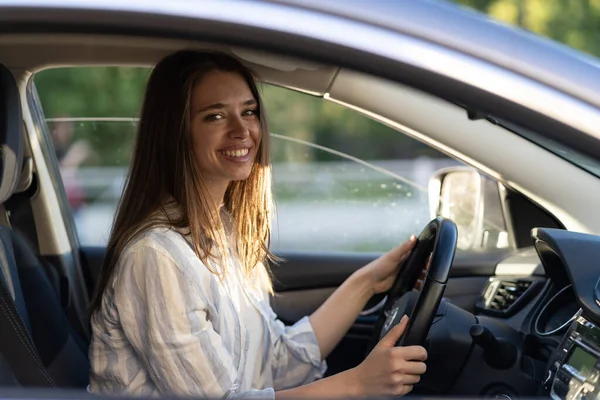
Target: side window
91	116
342	181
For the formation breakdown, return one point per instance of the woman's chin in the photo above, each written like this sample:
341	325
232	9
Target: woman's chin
240	177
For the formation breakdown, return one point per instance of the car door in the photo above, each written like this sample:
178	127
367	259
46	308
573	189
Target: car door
346	189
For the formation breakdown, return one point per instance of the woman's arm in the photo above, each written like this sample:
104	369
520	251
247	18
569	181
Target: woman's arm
332	320
336	315
387	370
340	385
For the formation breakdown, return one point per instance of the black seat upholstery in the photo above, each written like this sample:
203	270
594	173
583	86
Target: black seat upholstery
62	353
61	350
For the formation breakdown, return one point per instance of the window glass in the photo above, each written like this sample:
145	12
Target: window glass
90	113
342	181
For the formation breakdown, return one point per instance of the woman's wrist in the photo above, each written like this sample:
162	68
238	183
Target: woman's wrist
362	284
342	385
347	384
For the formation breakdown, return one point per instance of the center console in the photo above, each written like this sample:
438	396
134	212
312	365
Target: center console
574	372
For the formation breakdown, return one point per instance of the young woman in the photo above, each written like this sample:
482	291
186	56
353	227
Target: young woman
182	305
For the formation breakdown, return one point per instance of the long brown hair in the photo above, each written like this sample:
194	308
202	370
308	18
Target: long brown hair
164	170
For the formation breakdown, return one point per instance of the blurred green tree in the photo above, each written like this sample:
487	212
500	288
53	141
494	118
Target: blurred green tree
84	92
575	23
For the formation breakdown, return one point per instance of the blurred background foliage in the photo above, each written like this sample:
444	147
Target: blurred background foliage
575	23
117	92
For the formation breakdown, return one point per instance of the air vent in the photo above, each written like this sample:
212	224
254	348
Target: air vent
505	296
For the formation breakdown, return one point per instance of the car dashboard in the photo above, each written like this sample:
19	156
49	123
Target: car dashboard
555	306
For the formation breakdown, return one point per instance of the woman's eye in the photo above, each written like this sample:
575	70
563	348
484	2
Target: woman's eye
213	117
249	113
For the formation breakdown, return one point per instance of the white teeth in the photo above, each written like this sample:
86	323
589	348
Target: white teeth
236	153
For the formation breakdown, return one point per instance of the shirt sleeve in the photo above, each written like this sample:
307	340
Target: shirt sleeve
165	319
297	359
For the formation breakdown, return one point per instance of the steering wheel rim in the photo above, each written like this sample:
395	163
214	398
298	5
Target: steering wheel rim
439	238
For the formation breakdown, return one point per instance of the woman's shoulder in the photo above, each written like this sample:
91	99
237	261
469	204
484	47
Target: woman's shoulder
164	254
160	238
161	243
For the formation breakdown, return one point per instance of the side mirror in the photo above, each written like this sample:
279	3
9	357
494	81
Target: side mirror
475	203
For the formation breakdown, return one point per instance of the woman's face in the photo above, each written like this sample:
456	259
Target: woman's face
225	127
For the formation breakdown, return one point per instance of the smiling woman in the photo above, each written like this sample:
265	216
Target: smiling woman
185	285
176	158
168	322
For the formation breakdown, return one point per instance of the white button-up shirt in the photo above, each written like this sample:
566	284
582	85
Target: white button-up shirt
168	326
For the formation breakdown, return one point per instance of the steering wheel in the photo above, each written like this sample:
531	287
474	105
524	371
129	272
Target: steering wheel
439	238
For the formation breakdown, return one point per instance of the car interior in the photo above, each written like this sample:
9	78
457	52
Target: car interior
506	315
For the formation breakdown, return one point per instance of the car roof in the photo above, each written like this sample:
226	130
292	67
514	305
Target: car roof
476	34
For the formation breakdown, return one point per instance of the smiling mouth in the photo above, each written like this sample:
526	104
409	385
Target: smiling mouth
235	153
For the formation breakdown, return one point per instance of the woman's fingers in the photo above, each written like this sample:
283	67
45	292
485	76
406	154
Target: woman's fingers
404	379
401	389
404	248
405	389
409	374
409	367
410	353
415	368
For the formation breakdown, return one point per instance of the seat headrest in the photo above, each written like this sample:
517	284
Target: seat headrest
11	134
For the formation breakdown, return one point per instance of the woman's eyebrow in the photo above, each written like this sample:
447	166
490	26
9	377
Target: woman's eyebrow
218	106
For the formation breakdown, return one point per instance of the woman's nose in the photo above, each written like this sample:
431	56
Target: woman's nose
238	128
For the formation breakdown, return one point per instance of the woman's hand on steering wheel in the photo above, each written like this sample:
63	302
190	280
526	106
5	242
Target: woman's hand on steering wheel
382	271
390	370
